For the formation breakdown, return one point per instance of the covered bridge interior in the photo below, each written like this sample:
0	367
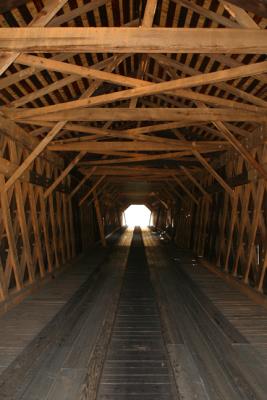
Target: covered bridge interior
106	104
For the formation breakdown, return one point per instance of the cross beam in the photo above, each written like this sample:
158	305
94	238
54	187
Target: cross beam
134	40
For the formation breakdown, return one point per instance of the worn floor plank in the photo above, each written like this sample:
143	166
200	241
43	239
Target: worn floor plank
164	328
137	364
58	356
205	310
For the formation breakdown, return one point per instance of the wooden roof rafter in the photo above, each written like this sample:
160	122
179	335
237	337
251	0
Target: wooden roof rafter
28	103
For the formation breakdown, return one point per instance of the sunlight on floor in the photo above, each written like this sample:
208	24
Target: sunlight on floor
137	215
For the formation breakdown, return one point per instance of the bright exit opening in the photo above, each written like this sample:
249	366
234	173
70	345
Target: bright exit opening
137	215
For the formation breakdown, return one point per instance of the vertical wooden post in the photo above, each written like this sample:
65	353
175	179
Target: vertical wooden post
55	243
72	234
157	218
99	219
3	285
44	219
66	226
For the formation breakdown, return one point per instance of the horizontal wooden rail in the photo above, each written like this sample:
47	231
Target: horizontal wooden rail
134	40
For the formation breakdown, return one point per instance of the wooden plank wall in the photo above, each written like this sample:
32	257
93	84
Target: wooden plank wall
230	230
38	234
89	229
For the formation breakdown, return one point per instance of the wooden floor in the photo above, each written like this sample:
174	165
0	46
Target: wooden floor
60	325
19	326
137	364
120	332
216	333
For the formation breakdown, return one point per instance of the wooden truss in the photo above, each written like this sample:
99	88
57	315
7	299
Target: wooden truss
97	96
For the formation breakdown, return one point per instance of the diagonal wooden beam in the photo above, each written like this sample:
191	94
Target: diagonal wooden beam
91	190
42	19
212	171
174	190
85	72
44	91
100	131
51	135
35	153
226	133
248	97
240	15
21	215
237	145
202	10
99	192
14	78
7	222
208	99
156	128
76	12
64	173
124	135
196	183
144	88
189	194
82	182
241	149
15	132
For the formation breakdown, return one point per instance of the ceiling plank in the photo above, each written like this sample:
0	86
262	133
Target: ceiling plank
7	5
258	7
216	17
240	15
76	12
